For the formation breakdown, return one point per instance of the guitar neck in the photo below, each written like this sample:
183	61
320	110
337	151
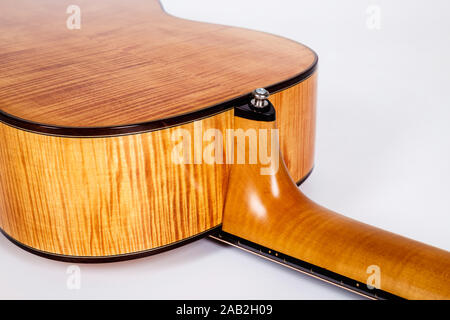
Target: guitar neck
268	215
304	267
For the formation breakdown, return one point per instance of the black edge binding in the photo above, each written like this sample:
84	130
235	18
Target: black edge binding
305	267
300	182
108	259
118	258
90	132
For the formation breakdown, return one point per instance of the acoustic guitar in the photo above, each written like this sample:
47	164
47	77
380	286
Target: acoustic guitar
137	132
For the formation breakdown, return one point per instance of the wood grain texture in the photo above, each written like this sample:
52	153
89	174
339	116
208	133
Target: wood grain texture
296	120
106	196
272	212
129	63
120	195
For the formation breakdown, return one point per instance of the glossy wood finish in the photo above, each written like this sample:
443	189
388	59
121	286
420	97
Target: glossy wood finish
96	197
106	196
130	63
296	121
272	212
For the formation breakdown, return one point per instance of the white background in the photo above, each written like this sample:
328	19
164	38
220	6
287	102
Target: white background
382	152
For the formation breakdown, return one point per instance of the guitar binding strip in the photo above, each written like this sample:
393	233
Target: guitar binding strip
305	267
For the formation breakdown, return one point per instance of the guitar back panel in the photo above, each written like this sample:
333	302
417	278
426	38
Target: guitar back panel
88	118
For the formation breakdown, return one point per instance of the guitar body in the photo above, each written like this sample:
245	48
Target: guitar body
91	123
85	162
105	197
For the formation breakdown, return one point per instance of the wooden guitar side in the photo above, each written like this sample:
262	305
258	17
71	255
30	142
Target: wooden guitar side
99	197
87	118
87	126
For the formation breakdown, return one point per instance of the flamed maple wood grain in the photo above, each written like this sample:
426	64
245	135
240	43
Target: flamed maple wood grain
106	196
119	195
132	63
129	63
296	121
